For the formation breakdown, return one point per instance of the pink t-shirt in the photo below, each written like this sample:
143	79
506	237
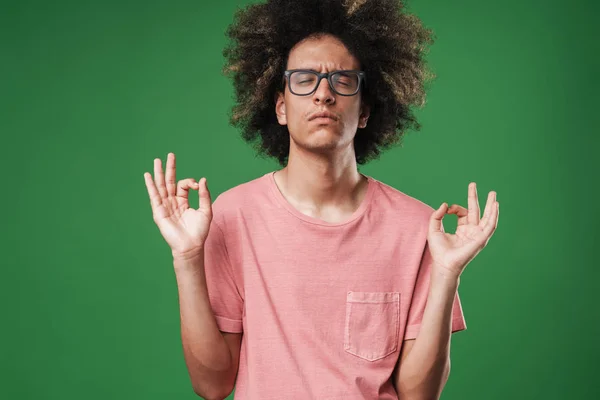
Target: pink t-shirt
324	307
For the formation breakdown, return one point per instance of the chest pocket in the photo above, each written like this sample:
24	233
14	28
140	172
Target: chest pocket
372	324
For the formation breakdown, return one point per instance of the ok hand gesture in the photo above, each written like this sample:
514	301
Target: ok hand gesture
452	252
185	229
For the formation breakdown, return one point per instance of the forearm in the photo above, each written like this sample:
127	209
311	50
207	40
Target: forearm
426	368
206	352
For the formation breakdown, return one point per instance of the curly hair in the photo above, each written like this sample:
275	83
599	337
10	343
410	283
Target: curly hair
389	43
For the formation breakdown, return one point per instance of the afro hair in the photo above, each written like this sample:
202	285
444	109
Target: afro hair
389	43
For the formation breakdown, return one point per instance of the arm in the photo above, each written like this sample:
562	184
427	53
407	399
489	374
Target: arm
424	364
423	371
211	365
211	358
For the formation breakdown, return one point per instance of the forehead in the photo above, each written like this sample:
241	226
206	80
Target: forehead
324	53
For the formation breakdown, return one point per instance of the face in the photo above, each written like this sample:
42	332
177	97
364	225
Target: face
322	54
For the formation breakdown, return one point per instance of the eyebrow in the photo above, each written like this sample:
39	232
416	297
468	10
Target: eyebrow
314	70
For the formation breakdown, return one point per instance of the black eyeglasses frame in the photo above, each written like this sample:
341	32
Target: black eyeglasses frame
362	80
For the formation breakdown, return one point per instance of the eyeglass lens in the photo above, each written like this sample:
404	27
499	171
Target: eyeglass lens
305	82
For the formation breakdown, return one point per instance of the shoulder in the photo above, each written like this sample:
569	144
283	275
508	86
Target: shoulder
241	198
397	201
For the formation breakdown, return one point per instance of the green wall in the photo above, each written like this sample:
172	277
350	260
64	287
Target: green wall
92	92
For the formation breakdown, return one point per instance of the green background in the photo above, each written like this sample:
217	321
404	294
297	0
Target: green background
92	92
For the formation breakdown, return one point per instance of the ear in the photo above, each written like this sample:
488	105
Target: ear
365	111
280	108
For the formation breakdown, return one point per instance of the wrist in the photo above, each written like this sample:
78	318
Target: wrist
188	262
188	255
445	277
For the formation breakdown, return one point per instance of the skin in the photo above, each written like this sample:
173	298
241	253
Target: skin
321	178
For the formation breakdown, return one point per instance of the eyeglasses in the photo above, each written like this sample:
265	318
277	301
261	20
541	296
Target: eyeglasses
303	82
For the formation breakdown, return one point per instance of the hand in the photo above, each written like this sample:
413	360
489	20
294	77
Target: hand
452	252
185	229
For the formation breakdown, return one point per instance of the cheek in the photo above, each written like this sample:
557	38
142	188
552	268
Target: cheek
294	115
351	116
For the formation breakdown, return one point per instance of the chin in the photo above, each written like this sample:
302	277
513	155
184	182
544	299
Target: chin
326	131
326	140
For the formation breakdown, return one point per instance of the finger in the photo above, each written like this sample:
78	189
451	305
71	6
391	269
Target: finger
473	205
435	221
184	186
204	200
487	214
461	212
159	177
170	170
155	199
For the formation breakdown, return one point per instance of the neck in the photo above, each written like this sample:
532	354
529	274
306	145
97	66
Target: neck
322	180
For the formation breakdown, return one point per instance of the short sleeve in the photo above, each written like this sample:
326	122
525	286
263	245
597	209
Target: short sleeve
419	300
223	290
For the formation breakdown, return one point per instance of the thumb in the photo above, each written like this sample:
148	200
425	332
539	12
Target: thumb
204	200
435	221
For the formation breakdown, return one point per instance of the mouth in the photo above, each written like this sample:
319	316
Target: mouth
323	119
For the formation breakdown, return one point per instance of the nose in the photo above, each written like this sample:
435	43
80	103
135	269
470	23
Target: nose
324	94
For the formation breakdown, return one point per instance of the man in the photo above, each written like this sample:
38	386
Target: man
316	281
